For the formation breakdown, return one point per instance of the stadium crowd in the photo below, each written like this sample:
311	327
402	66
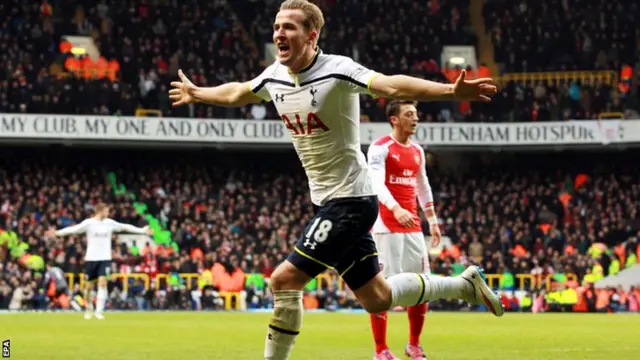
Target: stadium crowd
235	216
219	41
232	219
555	35
552	35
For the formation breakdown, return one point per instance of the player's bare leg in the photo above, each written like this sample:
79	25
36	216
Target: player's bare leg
287	282
88	299
409	289
101	297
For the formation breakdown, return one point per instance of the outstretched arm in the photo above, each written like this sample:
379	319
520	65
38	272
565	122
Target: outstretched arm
361	80
231	94
71	230
120	227
411	88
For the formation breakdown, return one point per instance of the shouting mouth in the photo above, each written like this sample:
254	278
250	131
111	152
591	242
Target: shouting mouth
283	50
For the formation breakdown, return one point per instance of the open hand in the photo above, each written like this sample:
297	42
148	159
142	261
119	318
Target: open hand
473	90
183	90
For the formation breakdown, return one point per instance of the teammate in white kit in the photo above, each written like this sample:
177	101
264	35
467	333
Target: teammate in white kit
317	97
97	259
399	177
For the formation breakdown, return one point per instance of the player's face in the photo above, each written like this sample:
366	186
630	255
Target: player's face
291	38
407	119
105	212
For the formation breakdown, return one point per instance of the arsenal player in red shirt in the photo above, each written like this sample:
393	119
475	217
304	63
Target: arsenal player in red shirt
399	177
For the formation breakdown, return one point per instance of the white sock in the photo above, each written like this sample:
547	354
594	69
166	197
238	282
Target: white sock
410	289
88	300
101	299
74	304
285	324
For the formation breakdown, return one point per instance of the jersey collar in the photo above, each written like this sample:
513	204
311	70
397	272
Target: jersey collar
398	142
313	62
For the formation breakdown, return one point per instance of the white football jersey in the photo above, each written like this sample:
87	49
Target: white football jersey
321	108
98	234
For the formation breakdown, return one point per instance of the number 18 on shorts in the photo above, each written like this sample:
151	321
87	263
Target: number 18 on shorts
317	233
402	252
338	237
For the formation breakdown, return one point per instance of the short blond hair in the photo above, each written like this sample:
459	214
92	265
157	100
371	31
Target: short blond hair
314	20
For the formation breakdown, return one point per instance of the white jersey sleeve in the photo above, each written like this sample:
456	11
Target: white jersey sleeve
120	227
377	158
258	84
425	195
74	229
357	77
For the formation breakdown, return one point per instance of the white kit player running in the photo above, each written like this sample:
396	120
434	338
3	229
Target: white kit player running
317	98
399	177
97	259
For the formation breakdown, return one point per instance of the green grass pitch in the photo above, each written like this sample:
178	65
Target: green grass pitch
237	336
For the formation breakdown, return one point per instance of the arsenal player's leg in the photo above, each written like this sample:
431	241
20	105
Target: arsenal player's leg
398	253
415	258
390	249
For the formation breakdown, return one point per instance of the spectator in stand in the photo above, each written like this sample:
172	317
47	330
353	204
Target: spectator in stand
633	300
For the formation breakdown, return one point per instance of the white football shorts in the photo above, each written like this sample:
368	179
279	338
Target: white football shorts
402	252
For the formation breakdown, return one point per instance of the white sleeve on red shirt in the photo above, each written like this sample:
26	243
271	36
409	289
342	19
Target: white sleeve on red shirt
377	158
425	195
